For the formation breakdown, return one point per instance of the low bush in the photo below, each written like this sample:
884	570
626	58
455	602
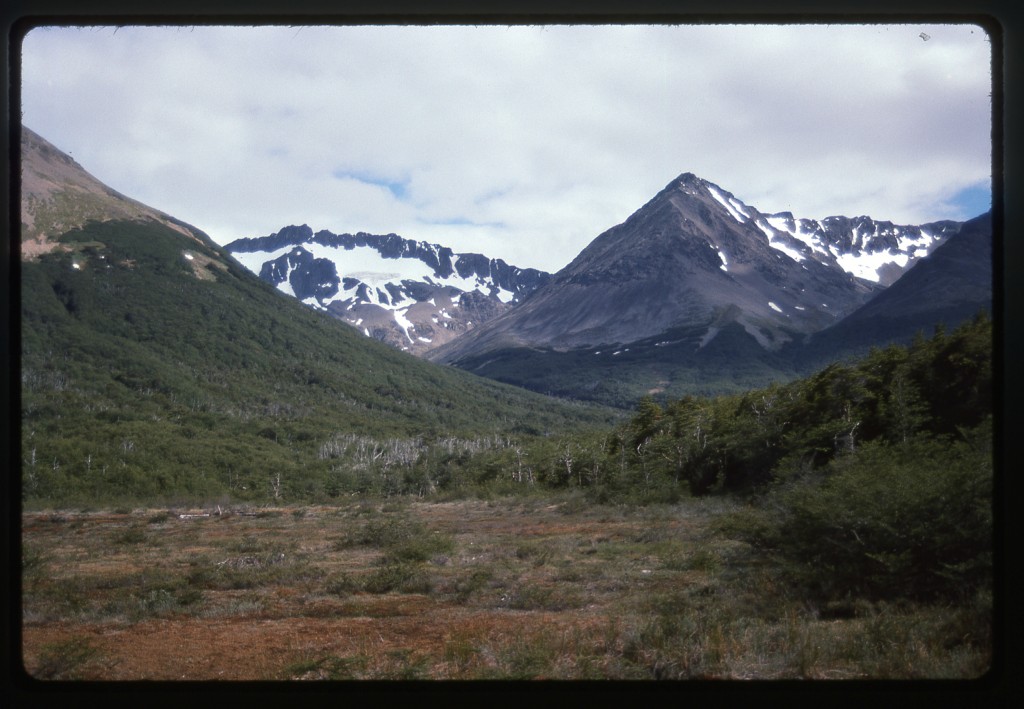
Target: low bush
911	520
400	577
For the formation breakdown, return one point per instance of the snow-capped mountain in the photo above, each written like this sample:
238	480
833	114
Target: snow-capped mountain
696	256
691	267
410	294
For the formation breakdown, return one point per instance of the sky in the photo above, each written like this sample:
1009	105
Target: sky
522	143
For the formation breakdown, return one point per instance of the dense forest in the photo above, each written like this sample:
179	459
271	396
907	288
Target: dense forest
868	475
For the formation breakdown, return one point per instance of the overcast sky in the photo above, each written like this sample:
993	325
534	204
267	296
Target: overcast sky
522	143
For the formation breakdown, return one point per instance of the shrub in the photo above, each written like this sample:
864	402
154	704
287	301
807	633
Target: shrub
341	585
132	535
401	577
911	520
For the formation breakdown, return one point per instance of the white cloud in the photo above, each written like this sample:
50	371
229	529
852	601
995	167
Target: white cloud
523	143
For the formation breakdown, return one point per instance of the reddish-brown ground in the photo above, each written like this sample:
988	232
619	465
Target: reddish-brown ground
436	634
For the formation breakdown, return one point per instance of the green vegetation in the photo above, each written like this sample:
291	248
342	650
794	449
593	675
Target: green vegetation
872	480
939	389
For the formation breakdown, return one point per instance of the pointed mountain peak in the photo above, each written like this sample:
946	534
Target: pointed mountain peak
687	183
692	189
691	184
687	179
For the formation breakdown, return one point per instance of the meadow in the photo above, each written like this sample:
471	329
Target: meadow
535	586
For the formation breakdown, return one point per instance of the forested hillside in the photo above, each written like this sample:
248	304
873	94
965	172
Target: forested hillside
236	391
153	367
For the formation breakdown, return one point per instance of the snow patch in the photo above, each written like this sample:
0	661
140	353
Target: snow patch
403	322
725	262
720	198
740	207
774	307
780	224
254	260
865	265
776	244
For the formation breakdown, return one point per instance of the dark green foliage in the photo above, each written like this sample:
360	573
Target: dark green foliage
141	381
900	520
935	387
672	364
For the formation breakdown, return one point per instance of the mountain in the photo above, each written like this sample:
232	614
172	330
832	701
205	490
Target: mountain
58	195
950	285
693	265
154	364
413	295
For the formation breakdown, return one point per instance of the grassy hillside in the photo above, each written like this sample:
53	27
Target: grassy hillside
153	364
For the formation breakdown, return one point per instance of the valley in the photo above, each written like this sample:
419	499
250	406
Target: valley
712	477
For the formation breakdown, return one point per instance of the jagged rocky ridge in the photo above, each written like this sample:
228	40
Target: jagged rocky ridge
410	294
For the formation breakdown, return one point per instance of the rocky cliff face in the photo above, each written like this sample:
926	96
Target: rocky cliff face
410	294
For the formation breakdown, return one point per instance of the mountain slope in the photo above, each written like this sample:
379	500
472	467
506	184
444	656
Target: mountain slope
412	295
152	361
58	195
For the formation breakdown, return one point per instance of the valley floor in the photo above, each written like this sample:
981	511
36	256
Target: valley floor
512	588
